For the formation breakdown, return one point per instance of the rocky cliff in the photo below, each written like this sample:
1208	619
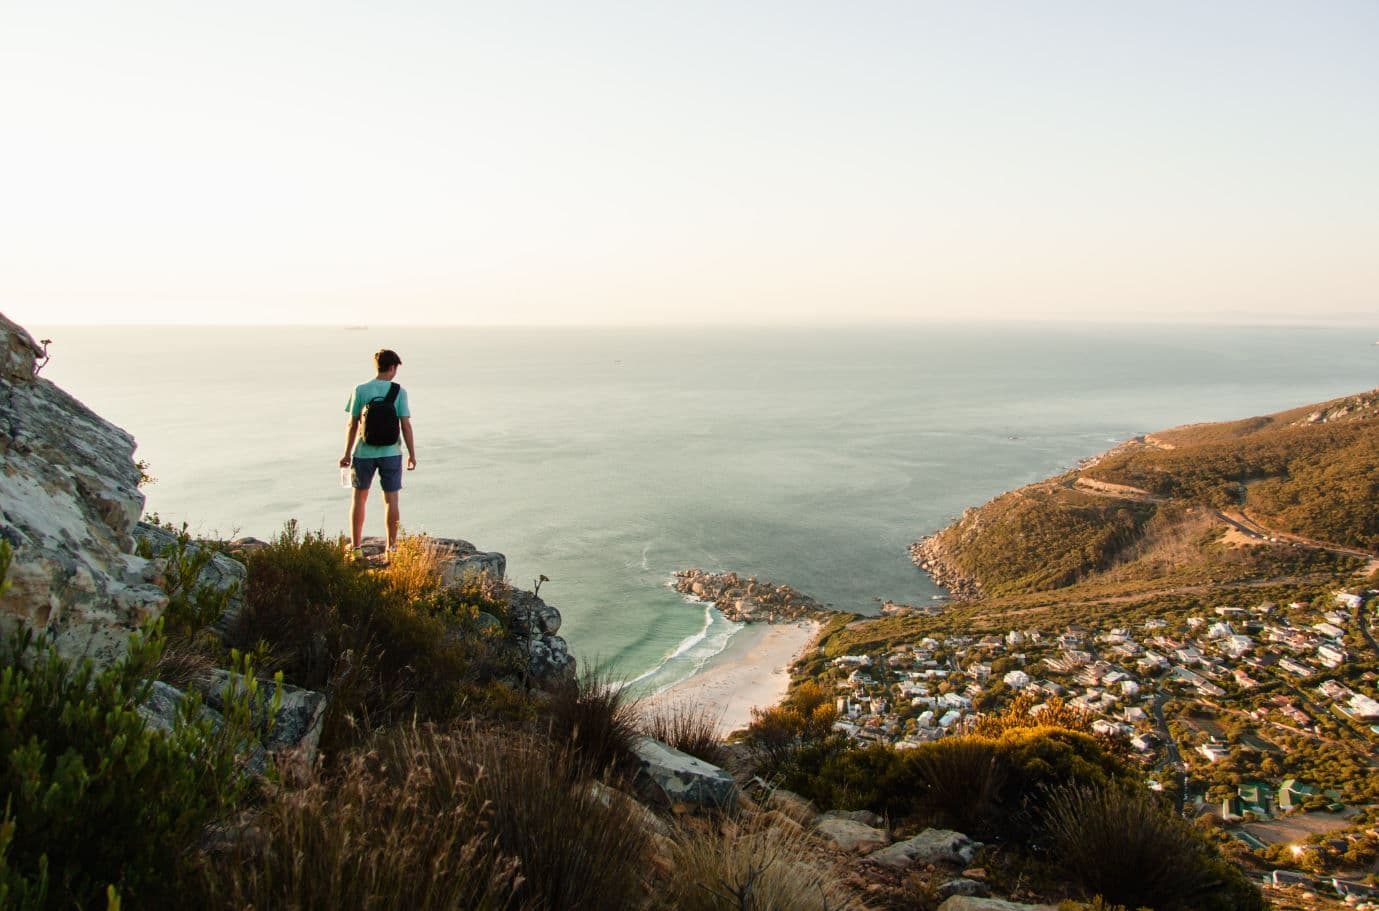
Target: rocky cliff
69	502
70	506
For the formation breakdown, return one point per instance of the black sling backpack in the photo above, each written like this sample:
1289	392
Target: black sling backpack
381	424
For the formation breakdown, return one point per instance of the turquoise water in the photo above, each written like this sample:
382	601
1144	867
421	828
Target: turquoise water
606	459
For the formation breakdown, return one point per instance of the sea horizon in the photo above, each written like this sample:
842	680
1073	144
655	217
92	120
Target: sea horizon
607	459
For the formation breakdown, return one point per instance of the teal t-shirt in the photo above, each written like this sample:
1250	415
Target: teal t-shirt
365	393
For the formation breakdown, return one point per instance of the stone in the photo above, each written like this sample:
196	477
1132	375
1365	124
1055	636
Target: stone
297	723
160	711
971	903
850	835
932	846
534	623
612	797
69	502
865	817
800	809
221	573
164	701
681	778
962	886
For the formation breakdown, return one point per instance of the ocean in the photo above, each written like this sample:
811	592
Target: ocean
607	459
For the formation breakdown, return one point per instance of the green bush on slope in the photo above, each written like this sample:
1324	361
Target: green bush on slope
1042	538
95	797
387	645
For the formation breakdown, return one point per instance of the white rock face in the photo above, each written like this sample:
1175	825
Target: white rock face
69	500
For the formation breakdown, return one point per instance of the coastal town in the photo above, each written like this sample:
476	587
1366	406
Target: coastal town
1260	717
1249	715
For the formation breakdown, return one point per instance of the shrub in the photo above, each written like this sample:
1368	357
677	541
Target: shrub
691	729
747	869
386	645
97	800
192	604
837	774
595	718
1020	714
775	734
961	781
1120	843
987	786
432	820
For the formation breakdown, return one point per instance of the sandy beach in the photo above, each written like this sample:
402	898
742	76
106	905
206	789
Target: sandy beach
752	672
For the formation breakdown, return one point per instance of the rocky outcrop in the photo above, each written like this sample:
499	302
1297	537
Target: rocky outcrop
535	623
932	556
747	600
69	503
672	777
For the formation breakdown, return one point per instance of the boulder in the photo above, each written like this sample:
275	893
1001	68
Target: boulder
962	886
163	705
799	809
850	835
534	623
69	502
612	797
295	726
679	778
221	573
971	903
932	846
865	817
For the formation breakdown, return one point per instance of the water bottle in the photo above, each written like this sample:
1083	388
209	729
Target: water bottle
347	477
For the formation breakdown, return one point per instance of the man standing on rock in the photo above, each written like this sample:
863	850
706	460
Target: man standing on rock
378	416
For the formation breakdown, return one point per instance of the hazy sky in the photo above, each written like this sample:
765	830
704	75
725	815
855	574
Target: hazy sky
510	162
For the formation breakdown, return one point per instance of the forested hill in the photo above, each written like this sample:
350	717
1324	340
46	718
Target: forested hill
1300	486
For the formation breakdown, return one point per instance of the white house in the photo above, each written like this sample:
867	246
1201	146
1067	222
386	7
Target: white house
1016	680
1214	752
1363	706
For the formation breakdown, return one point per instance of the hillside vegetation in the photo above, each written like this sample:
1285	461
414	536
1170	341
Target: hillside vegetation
1151	509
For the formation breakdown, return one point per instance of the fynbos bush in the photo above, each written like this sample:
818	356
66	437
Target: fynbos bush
96	798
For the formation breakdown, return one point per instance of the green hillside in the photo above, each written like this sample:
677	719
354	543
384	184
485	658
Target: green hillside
1311	472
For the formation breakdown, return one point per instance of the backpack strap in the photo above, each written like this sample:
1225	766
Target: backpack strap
393	389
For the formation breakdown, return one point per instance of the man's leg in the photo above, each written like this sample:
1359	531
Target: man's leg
390	507
357	516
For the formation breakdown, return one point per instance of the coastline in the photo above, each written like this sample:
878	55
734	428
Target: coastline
753	671
932	556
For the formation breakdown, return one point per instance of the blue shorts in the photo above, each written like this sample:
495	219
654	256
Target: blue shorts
389	470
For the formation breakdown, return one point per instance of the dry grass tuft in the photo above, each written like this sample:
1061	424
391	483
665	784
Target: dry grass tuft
762	868
689	728
595	717
428	820
414	569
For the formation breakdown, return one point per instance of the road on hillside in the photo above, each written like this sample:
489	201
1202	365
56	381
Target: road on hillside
1174	757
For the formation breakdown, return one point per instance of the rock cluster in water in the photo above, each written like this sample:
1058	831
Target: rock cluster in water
748	600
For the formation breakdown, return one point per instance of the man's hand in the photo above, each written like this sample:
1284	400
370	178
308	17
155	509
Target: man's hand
344	461
411	461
